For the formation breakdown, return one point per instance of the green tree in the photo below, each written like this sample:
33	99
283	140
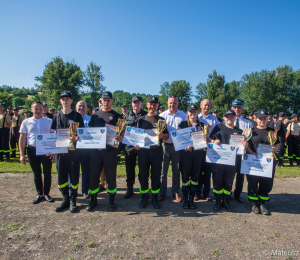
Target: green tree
18	101
6	99
59	76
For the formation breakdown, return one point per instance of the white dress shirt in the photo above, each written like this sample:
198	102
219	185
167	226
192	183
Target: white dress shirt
173	121
32	126
209	120
243	123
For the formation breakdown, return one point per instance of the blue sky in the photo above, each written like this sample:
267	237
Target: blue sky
141	44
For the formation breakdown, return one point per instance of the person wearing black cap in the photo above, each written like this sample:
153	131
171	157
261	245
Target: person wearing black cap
254	123
131	118
95	109
161	109
190	160
67	164
293	140
272	123
124	109
26	114
241	123
51	111
280	128
269	118
10	111
223	175
260	187
250	117
104	158
216	114
16	120
46	113
152	157
5	123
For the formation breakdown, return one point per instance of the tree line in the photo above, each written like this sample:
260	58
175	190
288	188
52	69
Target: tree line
276	90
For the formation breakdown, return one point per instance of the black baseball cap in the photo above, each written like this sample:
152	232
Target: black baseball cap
161	107
136	98
26	111
294	116
9	107
153	99
215	111
95	109
45	104
281	114
64	94
269	114
192	107
106	94
229	112
237	103
124	106
261	113
15	108
51	108
1	104
275	115
251	114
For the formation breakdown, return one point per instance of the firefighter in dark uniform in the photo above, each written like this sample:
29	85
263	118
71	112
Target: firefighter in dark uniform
132	117
5	123
14	131
223	175
190	160
216	114
280	128
293	140
260	187
10	111
67	164
152	157
104	158
46	113
161	109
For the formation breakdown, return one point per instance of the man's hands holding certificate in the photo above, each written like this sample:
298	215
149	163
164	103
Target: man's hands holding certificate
119	138
73	139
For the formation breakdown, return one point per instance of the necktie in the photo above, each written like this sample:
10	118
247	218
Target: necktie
237	123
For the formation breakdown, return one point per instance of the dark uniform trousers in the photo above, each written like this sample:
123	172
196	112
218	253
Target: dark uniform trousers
68	164
150	157
130	162
239	181
106	158
204	177
190	166
35	162
14	138
4	142
85	169
280	151
223	176
294	147
260	187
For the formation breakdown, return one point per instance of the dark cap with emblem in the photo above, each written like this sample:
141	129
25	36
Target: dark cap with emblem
261	113
15	108
153	99
51	108
124	105
192	107
237	103
65	94
95	109
26	111
275	116
294	116
229	112
269	114
106	94
161	107
281	114
10	107
1	104
44	104
215	111
136	98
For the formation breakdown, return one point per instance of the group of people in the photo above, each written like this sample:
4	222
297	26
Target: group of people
195	172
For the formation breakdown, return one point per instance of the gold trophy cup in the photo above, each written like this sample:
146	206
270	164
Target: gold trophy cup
272	138
247	133
121	125
73	132
161	125
206	130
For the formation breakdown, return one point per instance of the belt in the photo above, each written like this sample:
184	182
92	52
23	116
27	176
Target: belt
168	143
32	147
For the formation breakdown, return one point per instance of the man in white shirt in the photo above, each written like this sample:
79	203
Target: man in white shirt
37	124
205	172
173	117
242	123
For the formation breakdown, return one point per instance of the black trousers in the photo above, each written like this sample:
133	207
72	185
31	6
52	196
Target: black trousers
130	163
293	147
35	162
223	176
204	176
106	158
190	166
150	158
14	138
280	151
85	169
68	164
4	142
239	180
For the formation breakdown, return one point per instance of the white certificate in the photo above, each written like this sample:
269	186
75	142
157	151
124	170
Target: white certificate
221	154
261	166
237	141
45	143
62	137
199	141
110	135
265	150
91	138
151	139
134	136
182	138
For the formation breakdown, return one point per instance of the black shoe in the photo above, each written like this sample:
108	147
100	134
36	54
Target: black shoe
217	205
111	202
73	207
144	201
155	201
86	196
37	200
129	192
239	199
191	200
65	203
7	159
226	204
291	162
93	202
263	208
48	198
255	206
185	204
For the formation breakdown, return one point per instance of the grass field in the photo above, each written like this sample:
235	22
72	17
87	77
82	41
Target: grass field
15	166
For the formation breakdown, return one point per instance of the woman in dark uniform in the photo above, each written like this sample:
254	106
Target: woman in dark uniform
190	160
223	175
260	187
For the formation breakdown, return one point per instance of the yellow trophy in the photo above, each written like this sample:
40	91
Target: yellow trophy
247	133
121	125
272	138
206	130
161	125
73	132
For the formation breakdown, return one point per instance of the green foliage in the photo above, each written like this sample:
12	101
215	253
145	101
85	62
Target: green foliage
6	99
18	102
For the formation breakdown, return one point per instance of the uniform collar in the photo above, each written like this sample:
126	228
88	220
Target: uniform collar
209	115
42	118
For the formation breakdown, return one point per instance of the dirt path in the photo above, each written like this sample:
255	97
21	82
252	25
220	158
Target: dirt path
30	231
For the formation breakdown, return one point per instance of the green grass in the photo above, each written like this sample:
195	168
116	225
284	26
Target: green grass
15	166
